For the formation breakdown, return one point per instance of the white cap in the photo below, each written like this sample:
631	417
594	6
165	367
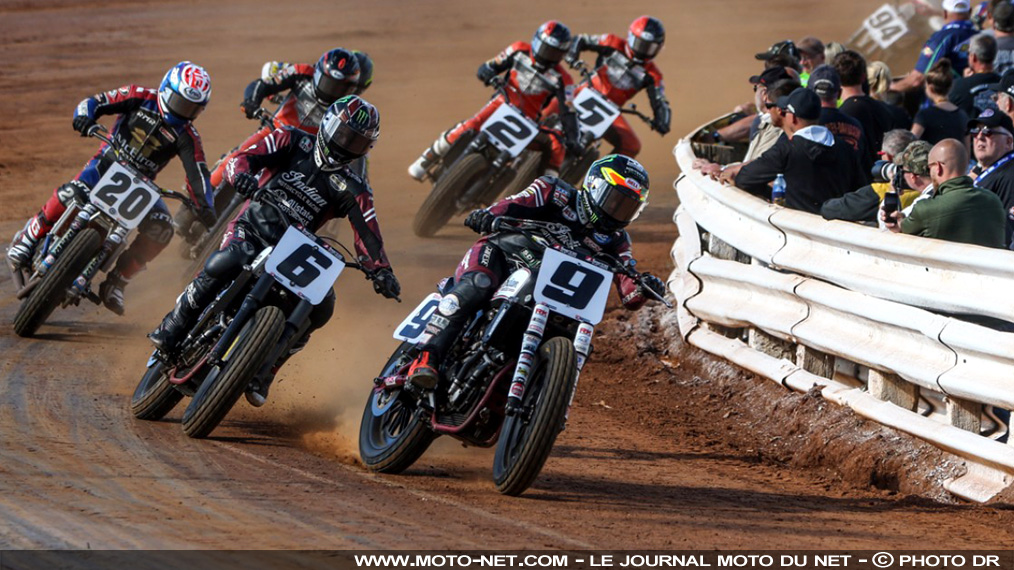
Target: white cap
957	5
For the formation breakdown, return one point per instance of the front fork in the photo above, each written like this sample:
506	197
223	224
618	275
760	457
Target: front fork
530	344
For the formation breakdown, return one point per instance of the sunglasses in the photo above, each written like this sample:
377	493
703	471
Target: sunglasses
986	131
770	105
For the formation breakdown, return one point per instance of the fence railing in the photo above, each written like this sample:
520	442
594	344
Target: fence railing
865	314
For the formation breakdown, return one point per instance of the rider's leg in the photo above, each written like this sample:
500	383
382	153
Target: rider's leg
155	233
439	148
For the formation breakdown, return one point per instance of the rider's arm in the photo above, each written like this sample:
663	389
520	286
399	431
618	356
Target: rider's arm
272	150
505	59
532	202
656	95
362	216
283	79
191	153
122	100
631	294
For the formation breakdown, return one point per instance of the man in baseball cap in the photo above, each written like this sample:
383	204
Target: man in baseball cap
1004	93
950	42
784	53
992	135
811	56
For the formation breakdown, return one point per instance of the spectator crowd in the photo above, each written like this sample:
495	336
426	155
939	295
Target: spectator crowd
929	152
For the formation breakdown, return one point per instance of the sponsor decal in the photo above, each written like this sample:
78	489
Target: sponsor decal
338	182
449	305
600	238
569	214
927	51
541	312
305	144
560	197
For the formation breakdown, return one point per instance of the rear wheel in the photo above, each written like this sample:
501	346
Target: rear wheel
527	438
527	171
393	433
440	205
52	290
573	171
154	396
223	387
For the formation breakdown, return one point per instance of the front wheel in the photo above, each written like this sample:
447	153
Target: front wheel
527	437
440	205
222	388
154	396
52	290
393	433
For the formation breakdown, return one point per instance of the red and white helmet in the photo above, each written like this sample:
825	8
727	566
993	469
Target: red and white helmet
550	43
645	38
184	93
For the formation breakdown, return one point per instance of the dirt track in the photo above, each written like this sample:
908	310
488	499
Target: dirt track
659	459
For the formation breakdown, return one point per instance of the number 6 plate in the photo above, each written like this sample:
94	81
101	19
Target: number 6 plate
123	196
303	266
572	287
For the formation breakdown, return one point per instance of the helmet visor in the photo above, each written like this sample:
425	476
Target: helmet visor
330	89
621	204
181	106
643	48
347	143
546	53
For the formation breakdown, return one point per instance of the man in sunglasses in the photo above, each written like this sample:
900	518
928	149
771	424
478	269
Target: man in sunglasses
992	134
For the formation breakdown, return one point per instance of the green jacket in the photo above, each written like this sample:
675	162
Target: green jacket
959	212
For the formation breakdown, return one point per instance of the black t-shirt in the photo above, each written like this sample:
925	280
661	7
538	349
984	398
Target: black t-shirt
848	130
970	93
1001	183
939	124
873	116
901	118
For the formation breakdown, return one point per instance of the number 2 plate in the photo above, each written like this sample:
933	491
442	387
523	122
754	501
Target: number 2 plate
124	197
509	130
303	266
572	287
594	111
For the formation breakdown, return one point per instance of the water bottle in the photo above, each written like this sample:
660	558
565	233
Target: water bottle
778	191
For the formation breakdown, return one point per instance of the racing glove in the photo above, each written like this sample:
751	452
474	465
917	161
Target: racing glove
653	283
82	123
249	107
481	221
245	183
486	73
660	107
574	53
386	284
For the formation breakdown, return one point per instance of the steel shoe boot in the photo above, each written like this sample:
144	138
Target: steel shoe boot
20	252
424	373
111	292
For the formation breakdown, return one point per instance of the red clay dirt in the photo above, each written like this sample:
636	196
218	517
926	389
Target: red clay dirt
666	448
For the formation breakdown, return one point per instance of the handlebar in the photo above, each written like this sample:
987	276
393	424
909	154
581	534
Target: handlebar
100	132
267	118
557	231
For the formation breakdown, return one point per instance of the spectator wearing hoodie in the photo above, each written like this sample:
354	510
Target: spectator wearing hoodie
825	83
816	166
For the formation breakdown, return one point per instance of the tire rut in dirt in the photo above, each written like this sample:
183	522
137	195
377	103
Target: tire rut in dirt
440	205
394	440
524	447
218	394
44	299
154	396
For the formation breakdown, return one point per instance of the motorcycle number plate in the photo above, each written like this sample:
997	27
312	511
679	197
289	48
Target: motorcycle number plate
572	287
413	327
509	130
594	112
304	266
123	196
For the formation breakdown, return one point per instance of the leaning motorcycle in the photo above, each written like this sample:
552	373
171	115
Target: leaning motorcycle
86	239
251	327
511	374
478	167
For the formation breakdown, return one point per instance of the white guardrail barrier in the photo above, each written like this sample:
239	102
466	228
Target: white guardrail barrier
856	312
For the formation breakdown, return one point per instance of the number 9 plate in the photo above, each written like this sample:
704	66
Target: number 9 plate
304	266
123	196
572	287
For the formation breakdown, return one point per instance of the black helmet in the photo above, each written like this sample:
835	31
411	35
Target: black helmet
614	192
348	130
645	38
365	71
550	43
335	75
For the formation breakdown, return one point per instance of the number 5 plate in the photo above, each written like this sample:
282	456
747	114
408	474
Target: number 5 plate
303	266
594	111
123	196
572	287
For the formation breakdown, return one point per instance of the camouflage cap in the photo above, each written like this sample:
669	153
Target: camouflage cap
915	158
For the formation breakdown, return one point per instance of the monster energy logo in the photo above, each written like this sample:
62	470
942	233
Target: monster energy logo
361	116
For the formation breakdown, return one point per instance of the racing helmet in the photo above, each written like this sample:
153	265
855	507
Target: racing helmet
184	93
550	43
614	192
348	131
335	75
645	38
365	71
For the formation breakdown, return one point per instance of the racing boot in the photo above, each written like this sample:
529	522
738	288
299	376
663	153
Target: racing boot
419	169
111	291
257	391
22	247
175	325
424	372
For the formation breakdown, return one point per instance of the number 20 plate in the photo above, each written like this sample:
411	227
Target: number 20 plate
124	197
303	266
572	287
